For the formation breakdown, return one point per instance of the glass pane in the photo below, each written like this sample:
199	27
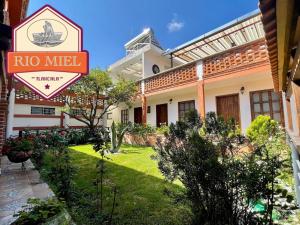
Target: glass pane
275	96
255	97
266	107
276	116
265	96
256	107
276	106
181	106
36	110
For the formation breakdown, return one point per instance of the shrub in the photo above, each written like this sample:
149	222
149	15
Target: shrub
262	129
38	211
141	129
222	187
164	129
78	136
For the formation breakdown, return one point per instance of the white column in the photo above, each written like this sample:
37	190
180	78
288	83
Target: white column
66	120
11	111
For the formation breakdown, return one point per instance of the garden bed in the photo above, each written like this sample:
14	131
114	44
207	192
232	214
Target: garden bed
141	187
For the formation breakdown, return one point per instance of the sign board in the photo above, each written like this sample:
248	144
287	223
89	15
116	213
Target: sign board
47	53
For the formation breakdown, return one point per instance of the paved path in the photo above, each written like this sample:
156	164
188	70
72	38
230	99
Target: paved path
16	186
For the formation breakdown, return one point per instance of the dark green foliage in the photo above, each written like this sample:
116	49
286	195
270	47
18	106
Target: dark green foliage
221	183
38	211
78	136
141	129
62	171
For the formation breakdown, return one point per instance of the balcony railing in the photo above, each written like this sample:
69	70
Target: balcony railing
28	97
171	78
243	56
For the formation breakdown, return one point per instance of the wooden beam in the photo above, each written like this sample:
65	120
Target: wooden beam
284	15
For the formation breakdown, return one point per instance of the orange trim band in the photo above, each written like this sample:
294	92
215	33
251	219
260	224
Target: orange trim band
74	62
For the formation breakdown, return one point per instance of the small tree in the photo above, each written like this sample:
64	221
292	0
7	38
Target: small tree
96	91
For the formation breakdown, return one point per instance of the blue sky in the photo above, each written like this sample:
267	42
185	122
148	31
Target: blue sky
109	24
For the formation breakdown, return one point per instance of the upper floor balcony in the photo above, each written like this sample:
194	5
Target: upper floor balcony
240	58
229	62
174	77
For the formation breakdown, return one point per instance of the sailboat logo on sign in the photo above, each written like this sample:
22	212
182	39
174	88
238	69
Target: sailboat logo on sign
47	53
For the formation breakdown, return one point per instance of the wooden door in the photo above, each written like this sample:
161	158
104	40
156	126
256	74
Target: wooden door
228	106
138	114
161	114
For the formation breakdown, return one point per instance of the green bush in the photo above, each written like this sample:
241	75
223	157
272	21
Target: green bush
141	129
38	211
262	129
164	129
78	136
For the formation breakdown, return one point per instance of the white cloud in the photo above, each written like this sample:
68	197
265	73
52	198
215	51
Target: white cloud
175	24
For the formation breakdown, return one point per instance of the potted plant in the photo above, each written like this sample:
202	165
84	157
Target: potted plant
18	150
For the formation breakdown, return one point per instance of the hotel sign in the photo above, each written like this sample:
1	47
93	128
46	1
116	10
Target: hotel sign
47	52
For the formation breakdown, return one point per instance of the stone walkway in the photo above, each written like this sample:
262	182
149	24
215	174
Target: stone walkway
16	186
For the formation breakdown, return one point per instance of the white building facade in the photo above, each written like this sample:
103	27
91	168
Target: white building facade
226	71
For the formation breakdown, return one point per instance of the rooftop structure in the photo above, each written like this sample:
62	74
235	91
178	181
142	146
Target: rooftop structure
238	32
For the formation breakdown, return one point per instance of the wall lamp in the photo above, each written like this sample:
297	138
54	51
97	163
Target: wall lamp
242	90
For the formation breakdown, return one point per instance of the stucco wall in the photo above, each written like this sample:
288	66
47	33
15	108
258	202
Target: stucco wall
25	109
152	57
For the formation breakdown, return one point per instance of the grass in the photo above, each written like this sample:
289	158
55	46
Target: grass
140	198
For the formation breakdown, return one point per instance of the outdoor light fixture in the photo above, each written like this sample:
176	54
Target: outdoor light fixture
242	90
149	109
171	100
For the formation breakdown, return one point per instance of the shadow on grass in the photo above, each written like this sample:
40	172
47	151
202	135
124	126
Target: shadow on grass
140	199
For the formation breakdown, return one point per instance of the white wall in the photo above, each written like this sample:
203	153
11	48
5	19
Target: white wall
172	107
25	109
153	57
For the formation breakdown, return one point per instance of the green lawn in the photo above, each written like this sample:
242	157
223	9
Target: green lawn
140	198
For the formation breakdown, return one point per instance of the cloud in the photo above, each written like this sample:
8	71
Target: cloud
175	24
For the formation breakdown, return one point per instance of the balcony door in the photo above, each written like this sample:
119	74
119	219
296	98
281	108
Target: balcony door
138	115
228	106
161	115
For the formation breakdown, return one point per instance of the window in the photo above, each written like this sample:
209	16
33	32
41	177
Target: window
42	111
109	116
266	102
77	112
184	107
124	116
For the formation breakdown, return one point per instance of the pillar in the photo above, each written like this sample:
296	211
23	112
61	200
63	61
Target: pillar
144	109
201	98
11	112
66	122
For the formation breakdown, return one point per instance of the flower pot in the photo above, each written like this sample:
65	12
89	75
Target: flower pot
19	156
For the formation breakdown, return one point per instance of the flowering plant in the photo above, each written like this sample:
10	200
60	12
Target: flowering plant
18	149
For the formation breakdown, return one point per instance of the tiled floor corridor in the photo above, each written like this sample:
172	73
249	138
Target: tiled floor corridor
16	186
